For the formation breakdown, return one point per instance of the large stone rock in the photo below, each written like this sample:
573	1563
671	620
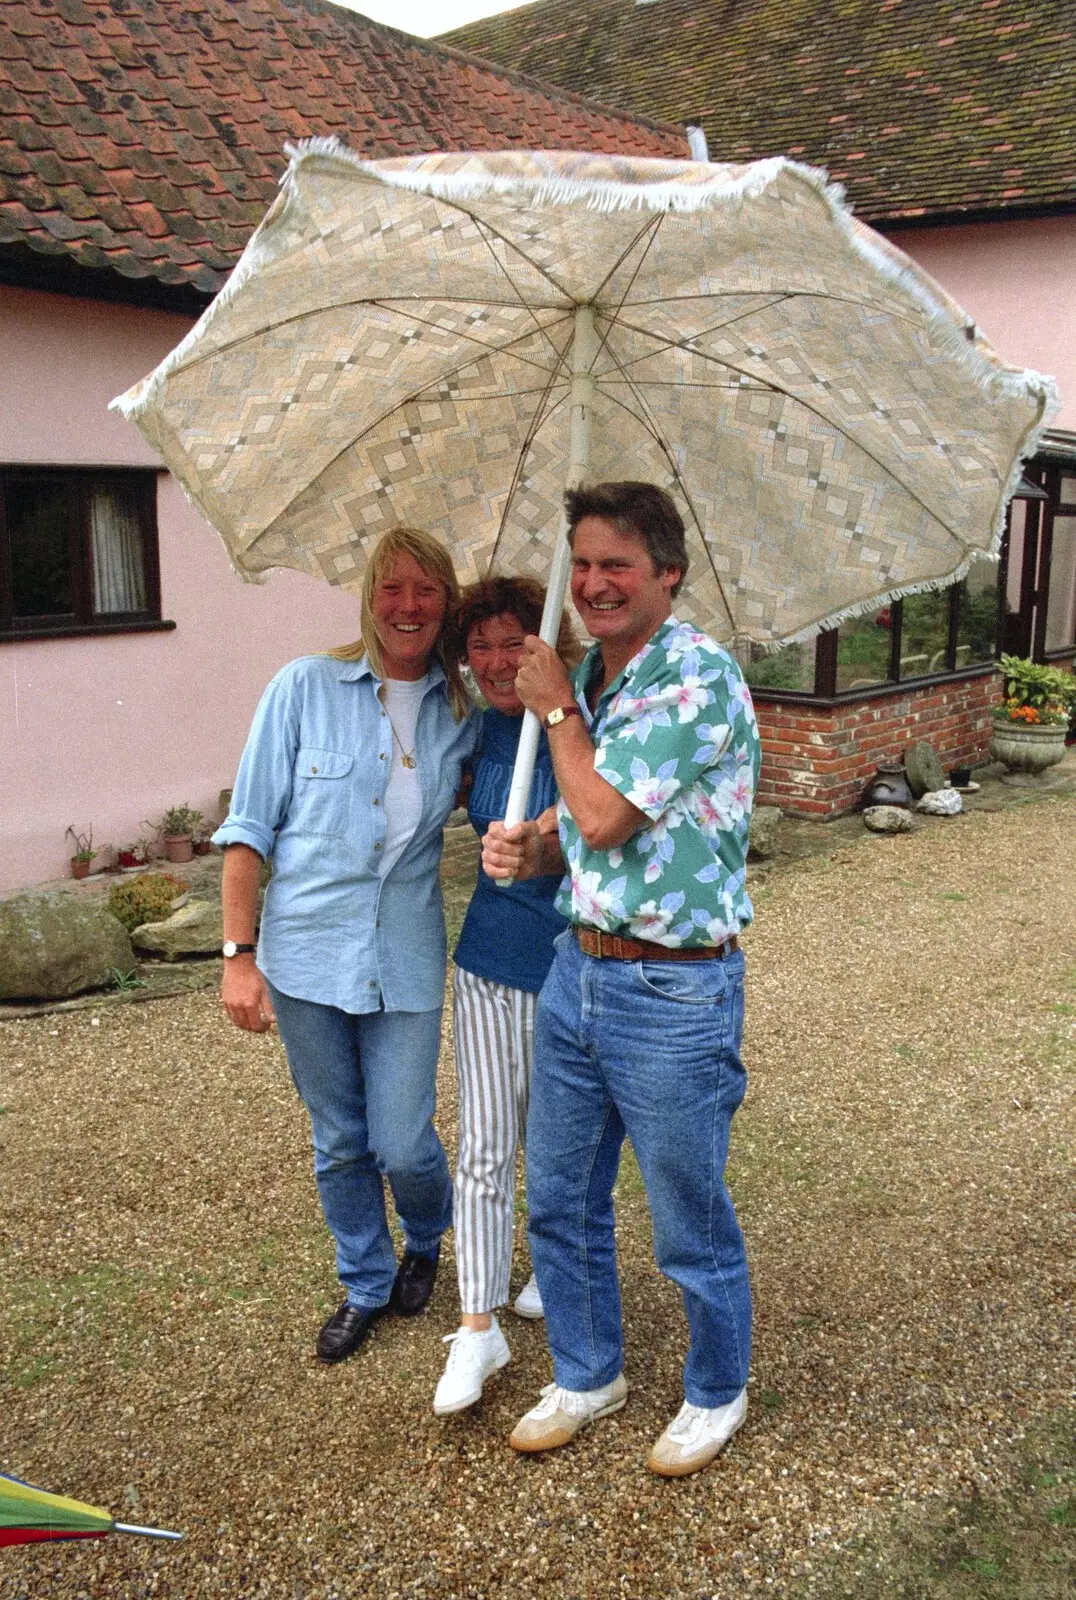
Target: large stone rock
196	929
765	831
941	803
925	772
887	819
53	945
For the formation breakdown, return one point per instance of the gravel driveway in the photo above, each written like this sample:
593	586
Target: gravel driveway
901	1173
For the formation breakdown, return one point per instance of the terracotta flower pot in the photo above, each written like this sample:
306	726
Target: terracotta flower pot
178	846
1027	749
203	847
80	869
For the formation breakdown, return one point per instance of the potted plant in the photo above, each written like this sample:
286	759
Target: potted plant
203	838
131	857
177	831
1032	720
83	853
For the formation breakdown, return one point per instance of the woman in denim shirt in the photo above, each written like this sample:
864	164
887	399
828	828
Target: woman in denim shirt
353	763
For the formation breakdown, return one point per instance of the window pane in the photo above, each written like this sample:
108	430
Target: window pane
863	649
1061	604
116	540
1017	531
924	636
977	614
38	525
790	668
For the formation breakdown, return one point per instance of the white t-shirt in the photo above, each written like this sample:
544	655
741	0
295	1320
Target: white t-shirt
403	793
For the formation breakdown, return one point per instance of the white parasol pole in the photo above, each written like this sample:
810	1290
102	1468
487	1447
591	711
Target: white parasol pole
584	348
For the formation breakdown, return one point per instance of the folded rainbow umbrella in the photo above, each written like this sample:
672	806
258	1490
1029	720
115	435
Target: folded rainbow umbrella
28	1515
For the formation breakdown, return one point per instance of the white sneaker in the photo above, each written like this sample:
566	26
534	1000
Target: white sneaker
561	1413
695	1436
528	1302
474	1355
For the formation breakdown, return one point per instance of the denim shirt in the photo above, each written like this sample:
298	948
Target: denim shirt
310	794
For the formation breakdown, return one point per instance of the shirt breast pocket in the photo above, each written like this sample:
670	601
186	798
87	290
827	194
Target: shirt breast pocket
321	792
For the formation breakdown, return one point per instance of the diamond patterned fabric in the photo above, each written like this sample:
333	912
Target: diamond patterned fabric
394	348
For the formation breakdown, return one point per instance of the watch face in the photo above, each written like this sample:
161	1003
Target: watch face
228	948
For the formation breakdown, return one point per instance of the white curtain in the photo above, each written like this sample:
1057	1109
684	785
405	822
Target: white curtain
119	582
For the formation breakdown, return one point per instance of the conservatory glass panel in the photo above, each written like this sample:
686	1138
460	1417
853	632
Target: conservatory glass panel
864	646
977	614
924	635
1061	603
790	668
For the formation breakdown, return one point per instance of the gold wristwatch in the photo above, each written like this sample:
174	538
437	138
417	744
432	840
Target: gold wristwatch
559	713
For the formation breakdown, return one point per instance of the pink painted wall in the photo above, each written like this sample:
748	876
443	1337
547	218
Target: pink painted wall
1018	280
109	731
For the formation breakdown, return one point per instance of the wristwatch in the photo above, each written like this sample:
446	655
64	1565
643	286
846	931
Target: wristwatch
229	949
559	713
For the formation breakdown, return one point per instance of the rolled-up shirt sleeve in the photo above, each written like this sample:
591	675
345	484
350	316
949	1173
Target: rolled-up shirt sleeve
263	784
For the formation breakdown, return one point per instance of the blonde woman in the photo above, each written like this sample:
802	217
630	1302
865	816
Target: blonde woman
352	765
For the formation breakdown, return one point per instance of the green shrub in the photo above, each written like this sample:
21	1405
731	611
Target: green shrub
146	898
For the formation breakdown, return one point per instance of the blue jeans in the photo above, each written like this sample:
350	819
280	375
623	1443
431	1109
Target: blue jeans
368	1083
651	1049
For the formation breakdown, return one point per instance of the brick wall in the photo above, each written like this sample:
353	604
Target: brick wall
817	758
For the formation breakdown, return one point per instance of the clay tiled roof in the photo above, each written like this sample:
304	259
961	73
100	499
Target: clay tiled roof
145	137
919	107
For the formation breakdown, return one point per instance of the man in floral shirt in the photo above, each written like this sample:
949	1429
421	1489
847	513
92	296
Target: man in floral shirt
638	1031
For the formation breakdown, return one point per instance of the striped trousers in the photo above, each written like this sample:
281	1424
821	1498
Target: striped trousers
494	1032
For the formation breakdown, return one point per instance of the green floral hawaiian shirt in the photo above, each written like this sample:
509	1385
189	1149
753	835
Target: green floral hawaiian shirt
675	734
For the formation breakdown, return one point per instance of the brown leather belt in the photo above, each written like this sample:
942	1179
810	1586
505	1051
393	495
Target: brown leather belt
610	946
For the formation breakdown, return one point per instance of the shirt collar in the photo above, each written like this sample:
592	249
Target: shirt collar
593	657
352	671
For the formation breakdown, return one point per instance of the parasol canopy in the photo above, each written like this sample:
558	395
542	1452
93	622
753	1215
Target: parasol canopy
451	340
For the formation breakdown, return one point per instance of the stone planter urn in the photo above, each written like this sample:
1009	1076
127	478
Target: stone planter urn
1027	749
178	846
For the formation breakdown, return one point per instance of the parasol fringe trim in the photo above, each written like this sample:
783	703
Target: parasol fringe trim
865	608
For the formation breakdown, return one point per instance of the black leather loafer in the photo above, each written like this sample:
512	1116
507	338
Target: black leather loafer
345	1331
415	1279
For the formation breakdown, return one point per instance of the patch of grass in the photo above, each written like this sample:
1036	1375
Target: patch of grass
1016	1544
952	894
44	1314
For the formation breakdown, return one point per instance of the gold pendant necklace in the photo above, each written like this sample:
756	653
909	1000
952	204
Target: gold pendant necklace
407	757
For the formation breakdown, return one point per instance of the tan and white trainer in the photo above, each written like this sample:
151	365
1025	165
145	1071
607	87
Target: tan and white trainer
561	1413
695	1436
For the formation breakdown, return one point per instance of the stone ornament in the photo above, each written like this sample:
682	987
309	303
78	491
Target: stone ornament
941	803
887	819
925	772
